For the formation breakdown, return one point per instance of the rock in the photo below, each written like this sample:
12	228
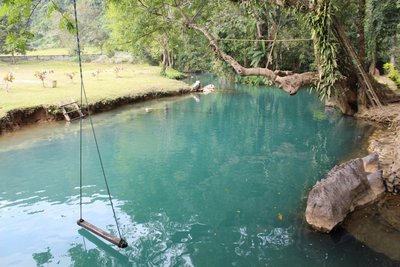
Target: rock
346	187
375	180
389	187
208	89
330	102
371	162
52	83
195	87
377	226
390	179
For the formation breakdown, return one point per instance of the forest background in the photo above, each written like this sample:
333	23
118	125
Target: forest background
277	35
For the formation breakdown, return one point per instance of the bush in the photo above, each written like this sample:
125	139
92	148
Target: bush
174	74
394	75
387	67
253	80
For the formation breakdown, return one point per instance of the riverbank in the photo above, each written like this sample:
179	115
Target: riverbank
26	100
18	118
385	141
378	225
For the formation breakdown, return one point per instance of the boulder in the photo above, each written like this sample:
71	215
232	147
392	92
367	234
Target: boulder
371	163
195	87
346	187
208	89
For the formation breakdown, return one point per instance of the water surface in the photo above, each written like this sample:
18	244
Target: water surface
215	180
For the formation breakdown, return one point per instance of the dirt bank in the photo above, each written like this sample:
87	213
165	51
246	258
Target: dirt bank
378	225
18	118
386	142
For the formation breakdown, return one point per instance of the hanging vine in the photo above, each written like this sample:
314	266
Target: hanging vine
320	21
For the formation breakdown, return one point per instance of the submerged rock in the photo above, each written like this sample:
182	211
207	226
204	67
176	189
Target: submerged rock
352	184
378	226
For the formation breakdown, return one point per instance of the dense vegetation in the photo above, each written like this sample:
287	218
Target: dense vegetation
264	41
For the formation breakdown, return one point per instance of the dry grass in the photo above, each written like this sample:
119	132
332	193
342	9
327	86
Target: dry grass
27	90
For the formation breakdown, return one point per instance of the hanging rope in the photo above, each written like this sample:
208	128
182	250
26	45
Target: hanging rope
265	40
84	96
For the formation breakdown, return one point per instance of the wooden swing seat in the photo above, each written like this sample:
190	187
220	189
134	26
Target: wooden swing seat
97	231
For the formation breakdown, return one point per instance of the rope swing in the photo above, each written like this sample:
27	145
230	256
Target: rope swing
119	241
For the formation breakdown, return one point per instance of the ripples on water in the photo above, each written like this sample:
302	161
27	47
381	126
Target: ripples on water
194	183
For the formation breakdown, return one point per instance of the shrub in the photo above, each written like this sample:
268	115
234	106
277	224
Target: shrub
8	79
394	75
174	74
253	80
387	67
41	75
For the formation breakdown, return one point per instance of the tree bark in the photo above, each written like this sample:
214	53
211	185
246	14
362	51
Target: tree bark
360	31
364	80
393	51
13	56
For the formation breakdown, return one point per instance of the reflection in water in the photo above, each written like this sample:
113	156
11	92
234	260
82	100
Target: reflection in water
42	258
193	183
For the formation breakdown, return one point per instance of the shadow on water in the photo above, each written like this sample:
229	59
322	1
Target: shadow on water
108	249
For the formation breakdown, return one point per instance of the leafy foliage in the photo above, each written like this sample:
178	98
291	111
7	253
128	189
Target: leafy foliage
14	16
252	80
383	20
320	21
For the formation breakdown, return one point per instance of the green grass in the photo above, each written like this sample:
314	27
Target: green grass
27	90
174	74
58	51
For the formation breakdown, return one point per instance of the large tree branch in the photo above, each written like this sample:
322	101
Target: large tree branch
287	81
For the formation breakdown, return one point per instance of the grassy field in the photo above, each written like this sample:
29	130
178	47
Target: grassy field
27	90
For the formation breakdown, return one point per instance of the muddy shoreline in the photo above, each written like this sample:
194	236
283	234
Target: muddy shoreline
19	118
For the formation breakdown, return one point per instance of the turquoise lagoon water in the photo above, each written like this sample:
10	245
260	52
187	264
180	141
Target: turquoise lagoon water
199	181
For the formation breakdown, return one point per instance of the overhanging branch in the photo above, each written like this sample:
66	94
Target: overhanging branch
287	81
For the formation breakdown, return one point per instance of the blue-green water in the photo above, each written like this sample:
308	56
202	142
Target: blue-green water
195	182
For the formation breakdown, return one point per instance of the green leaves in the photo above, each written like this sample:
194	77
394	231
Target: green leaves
14	15
66	21
320	21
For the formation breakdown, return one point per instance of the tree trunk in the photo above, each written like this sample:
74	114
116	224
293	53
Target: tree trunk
393	51
372	67
364	80
360	31
13	56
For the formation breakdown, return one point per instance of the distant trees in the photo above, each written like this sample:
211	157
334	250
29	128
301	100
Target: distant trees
325	46
382	31
14	35
49	24
236	32
145	29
